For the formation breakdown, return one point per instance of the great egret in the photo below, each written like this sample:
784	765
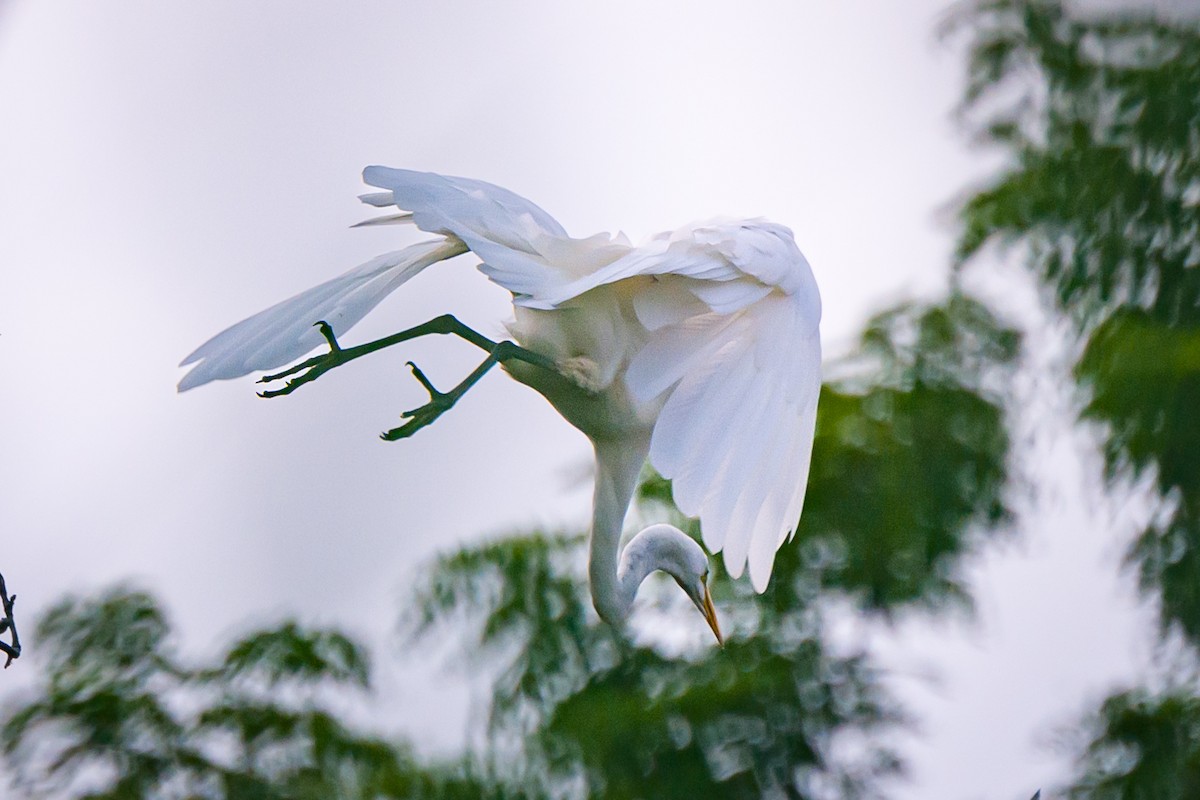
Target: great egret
699	348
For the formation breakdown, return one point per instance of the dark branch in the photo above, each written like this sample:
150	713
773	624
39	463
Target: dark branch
7	623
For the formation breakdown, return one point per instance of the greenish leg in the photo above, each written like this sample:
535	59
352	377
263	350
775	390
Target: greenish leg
439	402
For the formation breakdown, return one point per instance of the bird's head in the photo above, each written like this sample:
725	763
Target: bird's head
667	548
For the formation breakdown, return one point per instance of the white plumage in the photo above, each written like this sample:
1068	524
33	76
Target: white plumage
700	345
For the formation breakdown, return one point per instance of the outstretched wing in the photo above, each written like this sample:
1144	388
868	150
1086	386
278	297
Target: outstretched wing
449	205
284	332
733	263
734	348
522	247
502	228
736	431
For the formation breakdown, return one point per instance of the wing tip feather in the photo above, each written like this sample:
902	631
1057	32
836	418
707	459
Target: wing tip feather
760	582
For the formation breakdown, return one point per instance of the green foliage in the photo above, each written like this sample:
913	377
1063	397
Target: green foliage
1104	194
754	719
119	716
909	457
523	605
909	461
1143	745
593	713
918	423
582	710
291	654
1102	186
1149	404
104	708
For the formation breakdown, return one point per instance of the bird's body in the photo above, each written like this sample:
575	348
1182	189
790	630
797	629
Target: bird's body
699	348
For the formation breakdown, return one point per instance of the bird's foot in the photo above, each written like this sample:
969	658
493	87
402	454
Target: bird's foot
439	403
309	370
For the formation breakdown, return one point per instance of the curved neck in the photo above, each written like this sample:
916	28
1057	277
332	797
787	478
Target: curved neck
618	465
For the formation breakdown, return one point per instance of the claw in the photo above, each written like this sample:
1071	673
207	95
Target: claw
327	331
396	434
420	376
292	370
417	418
308	370
439	403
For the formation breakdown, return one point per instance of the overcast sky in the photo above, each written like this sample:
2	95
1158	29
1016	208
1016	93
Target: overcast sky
168	168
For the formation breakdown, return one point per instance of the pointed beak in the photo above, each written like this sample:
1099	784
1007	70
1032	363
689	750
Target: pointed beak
710	616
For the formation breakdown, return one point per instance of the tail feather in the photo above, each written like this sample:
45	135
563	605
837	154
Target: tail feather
388	219
511	235
378	199
284	332
445	204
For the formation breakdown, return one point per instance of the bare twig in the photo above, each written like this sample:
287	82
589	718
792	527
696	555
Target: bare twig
7	623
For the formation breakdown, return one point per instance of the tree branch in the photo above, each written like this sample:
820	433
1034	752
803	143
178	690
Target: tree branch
7	623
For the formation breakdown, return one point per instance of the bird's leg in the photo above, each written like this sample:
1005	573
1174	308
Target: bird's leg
315	367
441	402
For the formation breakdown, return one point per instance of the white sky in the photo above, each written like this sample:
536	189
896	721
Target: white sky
168	168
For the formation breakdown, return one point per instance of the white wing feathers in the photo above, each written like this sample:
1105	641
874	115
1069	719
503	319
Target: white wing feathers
733	318
523	248
735	433
713	253
443	204
284	332
505	230
499	226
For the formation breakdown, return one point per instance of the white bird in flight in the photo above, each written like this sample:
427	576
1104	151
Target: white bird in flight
699	349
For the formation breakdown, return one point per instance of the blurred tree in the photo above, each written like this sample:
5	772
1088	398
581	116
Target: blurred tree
907	475
1144	745
580	710
909	461
910	456
1103	195
1098	113
118	716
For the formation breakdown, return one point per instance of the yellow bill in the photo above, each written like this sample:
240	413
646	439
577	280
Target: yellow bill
710	616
